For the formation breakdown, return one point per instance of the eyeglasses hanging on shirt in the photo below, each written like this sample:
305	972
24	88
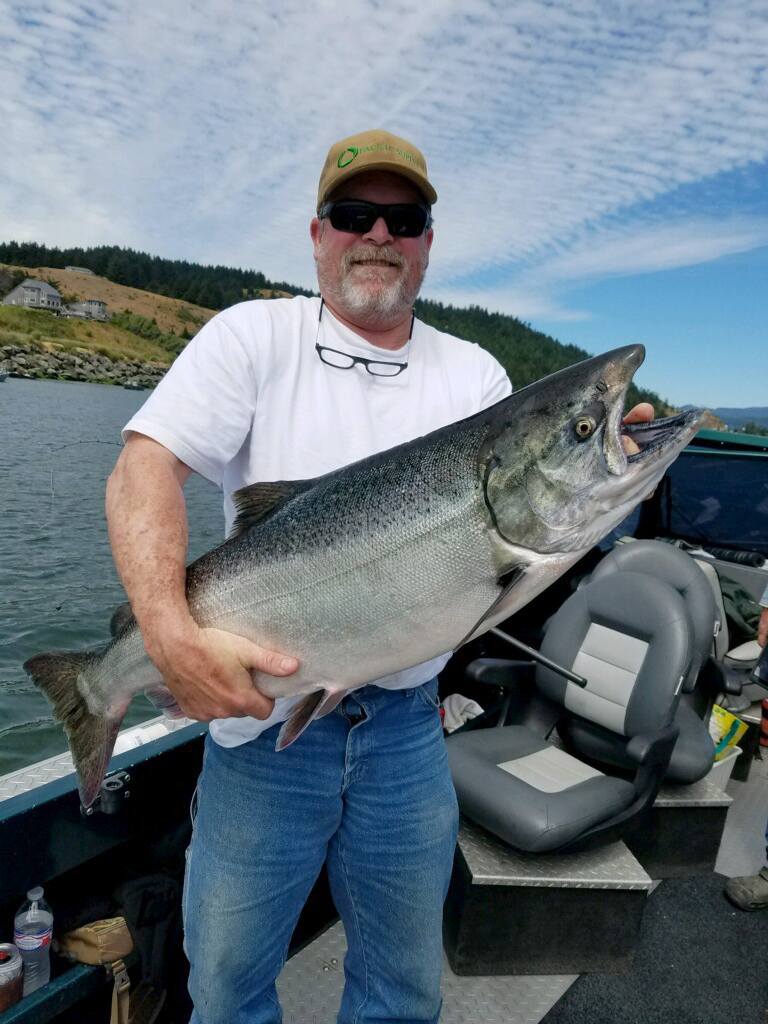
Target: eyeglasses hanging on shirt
345	361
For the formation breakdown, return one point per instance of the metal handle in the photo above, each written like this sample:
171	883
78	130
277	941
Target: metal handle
537	656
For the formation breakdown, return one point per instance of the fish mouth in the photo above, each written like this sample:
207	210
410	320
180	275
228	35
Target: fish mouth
654	438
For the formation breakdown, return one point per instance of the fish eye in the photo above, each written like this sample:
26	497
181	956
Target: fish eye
584	427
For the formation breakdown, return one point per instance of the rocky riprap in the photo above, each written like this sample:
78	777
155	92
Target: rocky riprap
32	361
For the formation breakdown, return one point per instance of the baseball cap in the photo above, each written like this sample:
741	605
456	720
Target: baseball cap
374	151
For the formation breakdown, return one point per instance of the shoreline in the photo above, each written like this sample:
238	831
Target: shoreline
35	362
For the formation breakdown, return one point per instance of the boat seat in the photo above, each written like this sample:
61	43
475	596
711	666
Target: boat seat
742	658
694	752
629	636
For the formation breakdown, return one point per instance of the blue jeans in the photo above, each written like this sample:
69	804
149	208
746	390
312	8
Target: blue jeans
368	790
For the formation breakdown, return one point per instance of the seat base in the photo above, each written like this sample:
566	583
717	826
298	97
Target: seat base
545	914
682	832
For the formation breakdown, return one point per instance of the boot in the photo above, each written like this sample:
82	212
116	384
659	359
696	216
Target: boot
749	892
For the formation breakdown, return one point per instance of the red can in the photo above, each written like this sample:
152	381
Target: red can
11	981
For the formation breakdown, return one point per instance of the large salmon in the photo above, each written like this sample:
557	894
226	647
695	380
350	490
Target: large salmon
397	558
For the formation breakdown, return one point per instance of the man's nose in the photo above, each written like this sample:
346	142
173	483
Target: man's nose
379	233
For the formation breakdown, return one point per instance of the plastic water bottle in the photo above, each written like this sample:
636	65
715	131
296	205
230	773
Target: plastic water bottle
32	928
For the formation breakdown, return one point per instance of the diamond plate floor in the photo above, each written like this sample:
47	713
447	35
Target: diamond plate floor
311	983
742	848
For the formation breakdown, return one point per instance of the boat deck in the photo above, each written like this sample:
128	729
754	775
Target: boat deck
311	983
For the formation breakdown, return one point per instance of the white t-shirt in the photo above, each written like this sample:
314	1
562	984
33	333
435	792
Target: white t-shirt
250	400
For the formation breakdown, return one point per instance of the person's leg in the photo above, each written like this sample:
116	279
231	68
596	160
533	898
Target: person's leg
750	892
390	862
260	837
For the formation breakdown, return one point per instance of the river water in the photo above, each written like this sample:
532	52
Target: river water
58	586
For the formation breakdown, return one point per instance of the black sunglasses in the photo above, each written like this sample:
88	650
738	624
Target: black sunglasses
404	220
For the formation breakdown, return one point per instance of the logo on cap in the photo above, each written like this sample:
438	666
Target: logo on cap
341	162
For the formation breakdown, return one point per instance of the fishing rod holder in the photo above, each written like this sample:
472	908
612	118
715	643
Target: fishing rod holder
114	791
540	658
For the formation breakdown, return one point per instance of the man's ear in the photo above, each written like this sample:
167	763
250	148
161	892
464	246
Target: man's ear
316	230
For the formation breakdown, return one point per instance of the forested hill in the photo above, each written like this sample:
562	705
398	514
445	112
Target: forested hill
526	354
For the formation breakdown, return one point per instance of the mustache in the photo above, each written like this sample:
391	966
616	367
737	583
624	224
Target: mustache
369	254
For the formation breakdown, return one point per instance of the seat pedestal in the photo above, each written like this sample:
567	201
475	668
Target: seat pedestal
682	833
511	913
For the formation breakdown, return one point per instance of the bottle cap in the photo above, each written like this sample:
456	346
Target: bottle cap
36	893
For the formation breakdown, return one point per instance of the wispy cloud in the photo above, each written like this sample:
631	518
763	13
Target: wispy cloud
534	290
560	137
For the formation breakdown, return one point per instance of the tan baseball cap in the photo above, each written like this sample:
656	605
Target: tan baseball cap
374	151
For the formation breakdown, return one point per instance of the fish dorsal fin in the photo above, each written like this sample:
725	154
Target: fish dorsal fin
259	501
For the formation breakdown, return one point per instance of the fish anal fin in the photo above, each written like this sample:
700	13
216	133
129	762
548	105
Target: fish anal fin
314	705
261	500
162	698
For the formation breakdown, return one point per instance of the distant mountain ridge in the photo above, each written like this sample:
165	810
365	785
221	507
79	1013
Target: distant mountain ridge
526	354
739	418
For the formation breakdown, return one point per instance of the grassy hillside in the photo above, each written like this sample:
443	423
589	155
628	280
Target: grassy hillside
170	315
27	326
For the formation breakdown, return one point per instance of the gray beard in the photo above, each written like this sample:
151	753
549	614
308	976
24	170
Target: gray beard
371	299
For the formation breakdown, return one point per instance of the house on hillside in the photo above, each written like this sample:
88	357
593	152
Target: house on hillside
87	309
34	294
80	270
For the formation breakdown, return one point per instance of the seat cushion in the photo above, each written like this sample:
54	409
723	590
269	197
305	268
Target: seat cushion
679	570
744	656
692	757
524	790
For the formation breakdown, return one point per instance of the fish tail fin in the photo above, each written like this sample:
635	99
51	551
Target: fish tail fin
314	705
91	736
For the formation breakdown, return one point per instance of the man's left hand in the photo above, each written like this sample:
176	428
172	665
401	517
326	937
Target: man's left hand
642	413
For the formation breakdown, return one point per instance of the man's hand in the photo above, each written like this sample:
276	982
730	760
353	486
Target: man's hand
209	671
762	628
642	413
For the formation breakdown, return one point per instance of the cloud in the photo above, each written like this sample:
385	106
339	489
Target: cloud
552	131
657	248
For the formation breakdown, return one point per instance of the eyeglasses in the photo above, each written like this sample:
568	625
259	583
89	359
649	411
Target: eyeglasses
345	361
356	216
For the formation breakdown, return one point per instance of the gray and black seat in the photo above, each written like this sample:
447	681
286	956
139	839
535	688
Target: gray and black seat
628	635
694	751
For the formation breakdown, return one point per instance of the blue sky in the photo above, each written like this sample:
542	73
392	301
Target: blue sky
602	166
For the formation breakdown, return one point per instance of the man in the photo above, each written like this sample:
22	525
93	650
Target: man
290	389
750	892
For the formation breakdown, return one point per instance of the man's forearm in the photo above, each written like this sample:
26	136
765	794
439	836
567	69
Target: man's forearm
147	520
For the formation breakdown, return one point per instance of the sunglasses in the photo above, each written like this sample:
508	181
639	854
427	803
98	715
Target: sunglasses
356	216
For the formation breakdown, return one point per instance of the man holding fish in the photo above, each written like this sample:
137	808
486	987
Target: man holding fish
287	390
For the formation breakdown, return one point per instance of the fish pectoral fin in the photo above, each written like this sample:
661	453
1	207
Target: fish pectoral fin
91	737
314	705
162	698
506	583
